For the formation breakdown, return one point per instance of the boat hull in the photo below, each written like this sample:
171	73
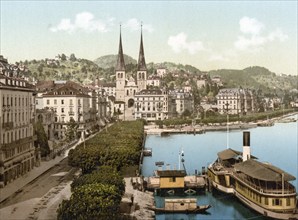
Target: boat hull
263	211
199	209
222	188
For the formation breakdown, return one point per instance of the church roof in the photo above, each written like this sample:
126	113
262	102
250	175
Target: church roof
141	62
120	61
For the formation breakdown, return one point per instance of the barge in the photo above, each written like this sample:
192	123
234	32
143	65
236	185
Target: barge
188	205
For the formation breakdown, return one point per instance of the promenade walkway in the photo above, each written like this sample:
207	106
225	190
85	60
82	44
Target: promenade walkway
20	182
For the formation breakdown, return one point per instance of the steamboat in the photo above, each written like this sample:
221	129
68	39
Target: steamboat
261	186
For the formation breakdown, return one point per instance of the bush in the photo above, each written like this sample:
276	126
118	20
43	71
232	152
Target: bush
104	175
91	201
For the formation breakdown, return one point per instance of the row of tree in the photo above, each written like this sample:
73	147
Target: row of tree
212	117
97	193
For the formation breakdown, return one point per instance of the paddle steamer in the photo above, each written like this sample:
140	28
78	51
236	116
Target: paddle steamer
261	186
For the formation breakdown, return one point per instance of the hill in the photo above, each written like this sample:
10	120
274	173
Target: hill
256	78
79	70
109	61
85	71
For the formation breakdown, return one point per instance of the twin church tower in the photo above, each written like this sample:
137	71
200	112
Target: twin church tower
127	88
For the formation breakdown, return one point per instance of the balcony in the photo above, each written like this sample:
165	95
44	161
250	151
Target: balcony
71	113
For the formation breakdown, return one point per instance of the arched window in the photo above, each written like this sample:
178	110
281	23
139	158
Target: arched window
143	75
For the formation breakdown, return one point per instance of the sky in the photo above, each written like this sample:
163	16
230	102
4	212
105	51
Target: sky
209	35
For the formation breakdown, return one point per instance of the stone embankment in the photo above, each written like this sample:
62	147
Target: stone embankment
153	129
136	202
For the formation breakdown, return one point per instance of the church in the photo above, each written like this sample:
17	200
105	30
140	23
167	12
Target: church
127	88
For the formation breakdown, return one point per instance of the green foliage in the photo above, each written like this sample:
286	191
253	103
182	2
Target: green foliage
186	113
42	140
119	146
71	130
258	78
109	61
104	175
63	57
91	201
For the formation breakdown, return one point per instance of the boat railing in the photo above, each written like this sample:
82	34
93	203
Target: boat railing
288	188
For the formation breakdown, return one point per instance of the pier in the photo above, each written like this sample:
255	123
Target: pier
153	130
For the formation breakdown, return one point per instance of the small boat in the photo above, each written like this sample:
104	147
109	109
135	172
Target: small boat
181	206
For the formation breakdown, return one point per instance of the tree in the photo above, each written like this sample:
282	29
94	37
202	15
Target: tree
104	175
91	201
40	68
63	57
72	57
71	130
42	140
186	113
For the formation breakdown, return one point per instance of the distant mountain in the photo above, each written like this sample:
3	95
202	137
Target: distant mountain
109	61
256	78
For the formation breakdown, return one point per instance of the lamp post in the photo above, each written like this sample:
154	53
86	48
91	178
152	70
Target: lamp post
181	154
227	110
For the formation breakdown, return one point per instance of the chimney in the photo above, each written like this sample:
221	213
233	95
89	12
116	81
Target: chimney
246	146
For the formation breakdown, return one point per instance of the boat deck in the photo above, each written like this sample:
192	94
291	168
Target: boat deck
189	182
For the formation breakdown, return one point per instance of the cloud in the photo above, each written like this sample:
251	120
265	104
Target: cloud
252	39
134	25
84	21
250	26
179	43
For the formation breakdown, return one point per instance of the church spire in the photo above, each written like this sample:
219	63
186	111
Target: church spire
120	61
142	62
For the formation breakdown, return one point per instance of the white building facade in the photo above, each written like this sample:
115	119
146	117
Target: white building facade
235	101
151	105
17	151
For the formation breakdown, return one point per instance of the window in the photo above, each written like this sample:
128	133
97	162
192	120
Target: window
276	202
62	101
55	101
62	110
48	101
288	202
172	179
266	201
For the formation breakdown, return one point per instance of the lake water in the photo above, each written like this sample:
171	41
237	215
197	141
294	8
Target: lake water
277	145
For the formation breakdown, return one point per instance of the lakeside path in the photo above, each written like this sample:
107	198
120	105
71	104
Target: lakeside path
154	130
198	129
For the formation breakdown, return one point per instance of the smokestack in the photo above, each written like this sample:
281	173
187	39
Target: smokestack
246	146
